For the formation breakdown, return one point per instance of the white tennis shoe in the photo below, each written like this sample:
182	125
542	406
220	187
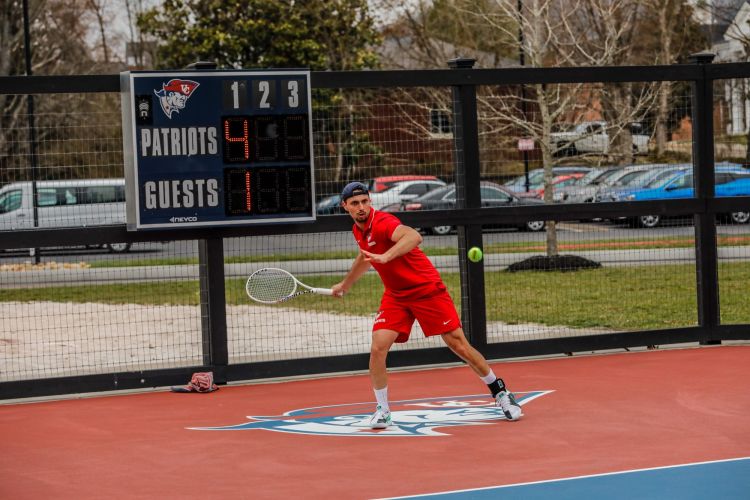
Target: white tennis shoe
506	401
380	419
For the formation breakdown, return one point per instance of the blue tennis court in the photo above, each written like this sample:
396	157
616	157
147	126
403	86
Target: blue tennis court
723	479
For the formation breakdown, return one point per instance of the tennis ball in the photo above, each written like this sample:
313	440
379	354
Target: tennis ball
475	254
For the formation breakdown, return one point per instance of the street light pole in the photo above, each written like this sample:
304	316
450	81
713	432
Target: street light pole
522	61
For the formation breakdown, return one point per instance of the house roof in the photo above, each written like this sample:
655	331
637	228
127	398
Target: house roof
735	26
716	17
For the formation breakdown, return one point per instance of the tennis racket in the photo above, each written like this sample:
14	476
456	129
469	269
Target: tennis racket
271	285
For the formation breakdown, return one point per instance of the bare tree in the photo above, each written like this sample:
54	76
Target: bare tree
97	8
554	33
143	52
589	32
59	45
665	10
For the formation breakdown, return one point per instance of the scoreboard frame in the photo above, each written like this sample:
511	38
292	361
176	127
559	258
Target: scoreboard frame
217	148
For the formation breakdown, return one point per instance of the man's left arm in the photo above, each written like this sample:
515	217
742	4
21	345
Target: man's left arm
405	239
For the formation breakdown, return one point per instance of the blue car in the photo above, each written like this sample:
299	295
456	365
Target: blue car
730	180
643	180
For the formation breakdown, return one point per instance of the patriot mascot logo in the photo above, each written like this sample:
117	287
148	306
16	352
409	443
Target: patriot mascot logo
411	418
174	95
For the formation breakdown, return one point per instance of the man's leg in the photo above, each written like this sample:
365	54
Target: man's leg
504	399
382	340
457	342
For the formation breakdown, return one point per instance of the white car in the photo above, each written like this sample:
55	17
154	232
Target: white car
593	137
403	191
64	203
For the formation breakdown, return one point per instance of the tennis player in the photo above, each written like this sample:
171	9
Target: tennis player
413	290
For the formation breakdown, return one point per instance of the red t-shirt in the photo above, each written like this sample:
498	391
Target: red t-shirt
410	276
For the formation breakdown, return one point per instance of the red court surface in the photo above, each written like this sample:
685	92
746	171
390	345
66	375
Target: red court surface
605	413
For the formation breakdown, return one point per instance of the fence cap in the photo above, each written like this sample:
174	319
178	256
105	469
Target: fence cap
701	57
202	65
462	63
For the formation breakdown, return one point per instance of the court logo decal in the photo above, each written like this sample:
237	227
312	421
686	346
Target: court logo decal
418	417
174	94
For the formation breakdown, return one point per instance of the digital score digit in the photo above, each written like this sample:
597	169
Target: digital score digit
217	148
236	139
267	191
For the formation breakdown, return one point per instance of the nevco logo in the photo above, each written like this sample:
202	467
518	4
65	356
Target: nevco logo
183	219
411	418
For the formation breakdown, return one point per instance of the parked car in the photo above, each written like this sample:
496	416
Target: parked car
559	182
536	177
728	183
64	203
492	195
380	184
329	205
619	179
643	180
593	137
403	191
585	189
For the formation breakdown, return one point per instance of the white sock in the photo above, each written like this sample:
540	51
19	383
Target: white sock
489	378
381	395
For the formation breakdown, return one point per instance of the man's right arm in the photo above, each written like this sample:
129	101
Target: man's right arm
359	267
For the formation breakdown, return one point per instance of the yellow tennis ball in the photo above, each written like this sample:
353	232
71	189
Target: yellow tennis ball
475	254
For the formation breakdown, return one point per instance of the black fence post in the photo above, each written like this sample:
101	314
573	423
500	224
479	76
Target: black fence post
32	127
706	253
213	306
467	174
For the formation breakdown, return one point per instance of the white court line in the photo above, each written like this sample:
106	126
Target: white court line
567	478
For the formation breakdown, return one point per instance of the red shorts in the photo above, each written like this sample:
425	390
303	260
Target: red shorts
436	315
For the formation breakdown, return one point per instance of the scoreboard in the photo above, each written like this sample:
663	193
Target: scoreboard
217	148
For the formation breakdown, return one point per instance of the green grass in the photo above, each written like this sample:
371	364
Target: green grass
244	259
731	139
510	247
626	298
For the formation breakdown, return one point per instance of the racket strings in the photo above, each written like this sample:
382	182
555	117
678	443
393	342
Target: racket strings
270	286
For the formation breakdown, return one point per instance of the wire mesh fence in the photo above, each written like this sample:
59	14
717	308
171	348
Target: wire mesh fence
309	326
134	305
733	232
89	311
382	137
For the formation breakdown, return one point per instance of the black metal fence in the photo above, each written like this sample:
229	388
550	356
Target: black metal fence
469	217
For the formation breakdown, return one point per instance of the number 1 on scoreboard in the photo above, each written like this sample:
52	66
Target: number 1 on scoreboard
234	94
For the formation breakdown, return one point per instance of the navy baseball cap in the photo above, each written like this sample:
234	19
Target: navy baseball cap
353	189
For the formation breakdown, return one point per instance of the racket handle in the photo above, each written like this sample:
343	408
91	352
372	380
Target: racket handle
323	291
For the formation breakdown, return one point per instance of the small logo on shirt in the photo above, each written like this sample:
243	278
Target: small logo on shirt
446	322
371	243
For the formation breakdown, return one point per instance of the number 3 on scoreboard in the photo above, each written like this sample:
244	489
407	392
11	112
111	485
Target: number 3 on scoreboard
293	88
294	94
